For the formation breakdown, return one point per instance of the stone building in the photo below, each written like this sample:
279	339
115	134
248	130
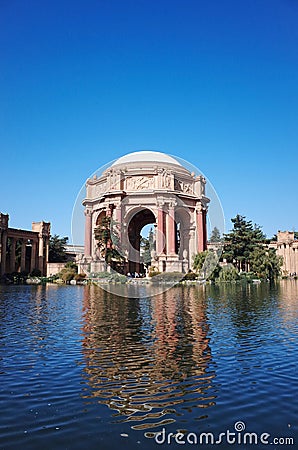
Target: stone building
144	188
287	247
23	250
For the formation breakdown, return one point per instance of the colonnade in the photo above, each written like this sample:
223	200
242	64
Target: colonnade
22	250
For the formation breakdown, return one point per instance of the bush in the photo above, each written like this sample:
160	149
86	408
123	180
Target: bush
80	277
190	276
168	277
153	271
67	274
35	273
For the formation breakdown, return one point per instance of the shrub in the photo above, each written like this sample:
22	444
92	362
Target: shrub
153	271
190	276
35	273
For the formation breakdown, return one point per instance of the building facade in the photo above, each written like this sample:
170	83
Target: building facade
145	188
287	247
23	250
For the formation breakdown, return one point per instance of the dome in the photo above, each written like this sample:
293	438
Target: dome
146	156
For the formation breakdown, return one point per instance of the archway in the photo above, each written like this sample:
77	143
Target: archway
137	222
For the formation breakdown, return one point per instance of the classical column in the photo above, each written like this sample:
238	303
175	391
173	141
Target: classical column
3	252
33	256
13	255
160	235
88	233
201	229
23	255
109	213
171	230
117	226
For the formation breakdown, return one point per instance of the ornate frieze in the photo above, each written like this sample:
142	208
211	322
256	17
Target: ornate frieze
138	183
183	186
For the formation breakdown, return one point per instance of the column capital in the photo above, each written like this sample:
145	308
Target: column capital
88	212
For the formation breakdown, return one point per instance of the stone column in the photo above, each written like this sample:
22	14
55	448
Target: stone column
201	229
88	233
13	255
160	235
3	252
23	255
33	256
40	253
171	230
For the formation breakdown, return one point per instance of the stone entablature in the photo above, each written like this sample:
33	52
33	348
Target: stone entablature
172	199
129	179
23	250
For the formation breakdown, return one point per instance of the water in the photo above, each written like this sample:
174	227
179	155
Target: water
81	368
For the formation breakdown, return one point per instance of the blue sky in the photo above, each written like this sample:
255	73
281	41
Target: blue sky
84	82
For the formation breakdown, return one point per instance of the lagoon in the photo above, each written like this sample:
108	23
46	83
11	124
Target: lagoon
83	368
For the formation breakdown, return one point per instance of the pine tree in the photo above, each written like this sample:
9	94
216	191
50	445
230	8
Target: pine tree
215	235
241	242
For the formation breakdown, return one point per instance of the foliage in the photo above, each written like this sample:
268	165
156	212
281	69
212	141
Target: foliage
215	235
265	263
35	273
57	249
190	276
168	277
71	265
108	240
153	271
228	273
241	242
67	274
147	245
199	260
102	234
205	263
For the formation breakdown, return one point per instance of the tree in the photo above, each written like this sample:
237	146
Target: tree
206	263
108	241
265	263
215	235
199	260
241	241
147	245
57	251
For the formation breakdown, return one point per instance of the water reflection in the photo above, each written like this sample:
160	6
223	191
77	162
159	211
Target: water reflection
149	360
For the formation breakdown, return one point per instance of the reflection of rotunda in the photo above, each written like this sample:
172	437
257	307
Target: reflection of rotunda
147	188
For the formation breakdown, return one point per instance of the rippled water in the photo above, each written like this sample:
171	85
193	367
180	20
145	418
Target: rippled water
81	368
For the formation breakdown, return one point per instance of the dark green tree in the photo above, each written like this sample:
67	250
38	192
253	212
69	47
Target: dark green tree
147	245
102	234
57	248
108	241
265	263
215	235
241	241
206	264
199	260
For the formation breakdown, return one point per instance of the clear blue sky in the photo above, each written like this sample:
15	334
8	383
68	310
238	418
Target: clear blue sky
214	82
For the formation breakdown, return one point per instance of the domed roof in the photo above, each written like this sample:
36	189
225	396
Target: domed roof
146	156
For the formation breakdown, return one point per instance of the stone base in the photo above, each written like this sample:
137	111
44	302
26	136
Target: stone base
98	266
171	263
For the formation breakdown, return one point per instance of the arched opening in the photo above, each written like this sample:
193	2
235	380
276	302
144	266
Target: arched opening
136	263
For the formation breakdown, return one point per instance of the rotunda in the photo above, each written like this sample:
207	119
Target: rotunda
139	189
